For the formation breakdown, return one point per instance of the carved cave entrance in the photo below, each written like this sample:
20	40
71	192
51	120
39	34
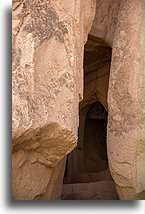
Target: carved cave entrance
87	175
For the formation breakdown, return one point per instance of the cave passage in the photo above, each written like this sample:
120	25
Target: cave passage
87	175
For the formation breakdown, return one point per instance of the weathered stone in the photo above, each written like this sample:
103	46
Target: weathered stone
42	80
125	102
31	180
105	20
50	81
48	44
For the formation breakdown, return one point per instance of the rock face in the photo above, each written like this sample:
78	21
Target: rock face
46	75
51	81
125	102
35	181
48	44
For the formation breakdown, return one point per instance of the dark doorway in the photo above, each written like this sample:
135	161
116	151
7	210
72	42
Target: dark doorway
87	175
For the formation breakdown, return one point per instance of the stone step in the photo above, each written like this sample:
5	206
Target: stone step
101	190
88	177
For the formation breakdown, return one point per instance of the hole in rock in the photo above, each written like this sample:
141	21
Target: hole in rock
87	175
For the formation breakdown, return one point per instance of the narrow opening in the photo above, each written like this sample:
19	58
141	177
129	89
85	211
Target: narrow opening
87	175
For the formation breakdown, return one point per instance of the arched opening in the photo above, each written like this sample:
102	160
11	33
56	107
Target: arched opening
87	175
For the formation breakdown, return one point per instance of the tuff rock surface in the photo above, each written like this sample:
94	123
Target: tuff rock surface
49	86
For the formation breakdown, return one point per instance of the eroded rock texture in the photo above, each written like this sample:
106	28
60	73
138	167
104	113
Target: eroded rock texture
33	180
51	82
48	44
125	102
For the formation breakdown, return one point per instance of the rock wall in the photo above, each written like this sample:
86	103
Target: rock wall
33	180
48	44
125	102
48	51
105	20
120	24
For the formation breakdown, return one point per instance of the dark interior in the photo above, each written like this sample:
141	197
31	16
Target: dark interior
87	175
